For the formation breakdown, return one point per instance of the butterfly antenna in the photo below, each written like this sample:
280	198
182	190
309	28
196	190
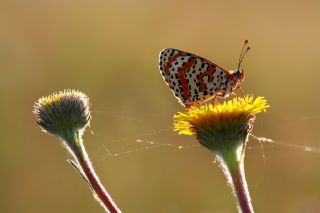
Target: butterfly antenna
242	54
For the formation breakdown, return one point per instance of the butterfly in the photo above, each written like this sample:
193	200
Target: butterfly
194	80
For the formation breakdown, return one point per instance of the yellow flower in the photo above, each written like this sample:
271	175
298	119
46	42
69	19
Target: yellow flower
231	111
224	129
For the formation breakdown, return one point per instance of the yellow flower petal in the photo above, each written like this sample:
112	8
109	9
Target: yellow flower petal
231	111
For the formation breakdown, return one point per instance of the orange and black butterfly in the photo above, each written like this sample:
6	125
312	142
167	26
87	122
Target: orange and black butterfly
194	79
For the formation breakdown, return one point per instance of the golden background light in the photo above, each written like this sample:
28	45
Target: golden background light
109	50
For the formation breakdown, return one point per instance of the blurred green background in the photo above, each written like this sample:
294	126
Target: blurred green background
109	50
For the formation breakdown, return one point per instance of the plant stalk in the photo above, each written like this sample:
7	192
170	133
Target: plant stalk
240	189
100	192
232	163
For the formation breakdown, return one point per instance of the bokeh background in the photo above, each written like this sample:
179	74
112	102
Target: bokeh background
109	50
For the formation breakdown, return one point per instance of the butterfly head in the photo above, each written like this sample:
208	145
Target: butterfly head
239	76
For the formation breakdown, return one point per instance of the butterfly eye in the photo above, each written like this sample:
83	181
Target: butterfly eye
238	74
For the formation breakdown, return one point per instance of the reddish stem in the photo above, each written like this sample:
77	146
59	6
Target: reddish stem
94	181
241	189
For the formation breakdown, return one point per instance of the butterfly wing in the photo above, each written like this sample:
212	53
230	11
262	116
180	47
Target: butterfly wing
191	78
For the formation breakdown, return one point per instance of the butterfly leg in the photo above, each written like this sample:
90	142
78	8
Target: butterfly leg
244	96
215	100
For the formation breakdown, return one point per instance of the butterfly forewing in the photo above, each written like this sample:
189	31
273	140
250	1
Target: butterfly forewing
192	79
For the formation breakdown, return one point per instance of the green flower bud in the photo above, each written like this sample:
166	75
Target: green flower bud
63	113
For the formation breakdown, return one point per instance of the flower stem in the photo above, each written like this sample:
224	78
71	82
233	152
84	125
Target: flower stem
101	194
233	166
240	188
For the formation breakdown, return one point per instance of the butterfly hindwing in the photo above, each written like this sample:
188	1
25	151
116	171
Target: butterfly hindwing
192	79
